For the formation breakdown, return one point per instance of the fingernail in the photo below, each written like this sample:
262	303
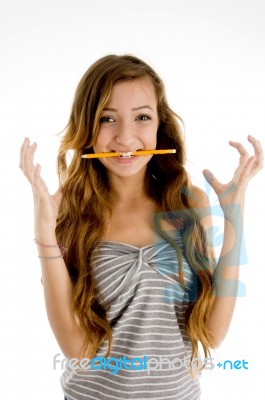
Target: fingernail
252	138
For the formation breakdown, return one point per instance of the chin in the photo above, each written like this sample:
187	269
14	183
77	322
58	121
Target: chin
126	169
127	172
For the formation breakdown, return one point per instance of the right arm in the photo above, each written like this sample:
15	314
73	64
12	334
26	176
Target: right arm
57	285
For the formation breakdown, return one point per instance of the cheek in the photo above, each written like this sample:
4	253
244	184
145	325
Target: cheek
100	143
96	147
152	137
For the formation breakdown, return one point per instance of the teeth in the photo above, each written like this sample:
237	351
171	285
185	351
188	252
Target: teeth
125	155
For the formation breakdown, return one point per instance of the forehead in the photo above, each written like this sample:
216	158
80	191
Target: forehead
136	92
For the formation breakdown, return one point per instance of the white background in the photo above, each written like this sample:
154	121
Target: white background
211	57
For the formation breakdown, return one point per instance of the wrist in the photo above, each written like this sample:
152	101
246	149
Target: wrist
233	212
50	250
44	221
45	236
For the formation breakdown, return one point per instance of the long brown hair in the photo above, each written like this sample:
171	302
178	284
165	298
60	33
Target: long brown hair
86	193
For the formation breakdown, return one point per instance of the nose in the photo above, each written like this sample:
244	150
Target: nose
125	136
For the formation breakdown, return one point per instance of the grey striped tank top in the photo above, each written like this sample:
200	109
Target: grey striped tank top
146	308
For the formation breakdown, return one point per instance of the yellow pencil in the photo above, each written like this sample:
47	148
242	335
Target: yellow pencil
129	153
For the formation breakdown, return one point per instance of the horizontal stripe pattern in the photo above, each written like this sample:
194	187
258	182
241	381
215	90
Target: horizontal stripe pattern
146	305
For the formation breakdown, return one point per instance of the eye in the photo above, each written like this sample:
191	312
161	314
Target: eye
106	119
143	117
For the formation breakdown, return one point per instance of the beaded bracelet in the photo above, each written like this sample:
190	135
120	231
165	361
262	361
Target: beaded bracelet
64	249
51	257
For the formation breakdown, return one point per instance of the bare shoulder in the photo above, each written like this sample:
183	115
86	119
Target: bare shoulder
197	197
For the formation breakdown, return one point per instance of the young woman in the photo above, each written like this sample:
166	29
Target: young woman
130	281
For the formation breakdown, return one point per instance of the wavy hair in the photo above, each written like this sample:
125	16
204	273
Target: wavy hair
86	195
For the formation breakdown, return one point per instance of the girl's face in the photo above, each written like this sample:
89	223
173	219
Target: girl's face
128	122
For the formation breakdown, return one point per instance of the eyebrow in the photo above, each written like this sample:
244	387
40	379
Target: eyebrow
133	109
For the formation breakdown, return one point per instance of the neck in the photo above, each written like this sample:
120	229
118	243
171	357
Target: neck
126	190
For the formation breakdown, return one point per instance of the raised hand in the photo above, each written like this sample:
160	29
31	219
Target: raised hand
46	205
233	192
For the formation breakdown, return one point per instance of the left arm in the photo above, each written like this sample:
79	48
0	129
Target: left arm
231	198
